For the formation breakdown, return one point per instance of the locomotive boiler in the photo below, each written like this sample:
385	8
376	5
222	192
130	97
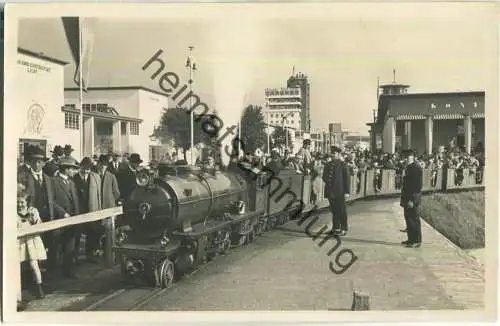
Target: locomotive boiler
180	218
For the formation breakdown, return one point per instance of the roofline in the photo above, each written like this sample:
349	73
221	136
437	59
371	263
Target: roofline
111	88
394	84
475	93
41	56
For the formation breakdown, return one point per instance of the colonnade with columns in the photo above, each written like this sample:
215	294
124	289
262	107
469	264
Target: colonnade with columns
389	134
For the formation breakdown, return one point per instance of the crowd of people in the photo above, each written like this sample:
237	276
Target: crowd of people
60	187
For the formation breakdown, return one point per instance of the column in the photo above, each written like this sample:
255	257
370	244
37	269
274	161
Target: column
88	137
468	133
389	136
126	146
408	134
428	134
117	136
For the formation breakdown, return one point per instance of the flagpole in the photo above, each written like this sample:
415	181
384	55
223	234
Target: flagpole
81	85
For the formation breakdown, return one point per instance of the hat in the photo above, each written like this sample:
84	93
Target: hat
86	163
34	152
67	148
103	159
135	158
336	149
58	150
68	161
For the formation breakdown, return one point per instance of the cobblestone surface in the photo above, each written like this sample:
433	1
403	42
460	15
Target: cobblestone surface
286	270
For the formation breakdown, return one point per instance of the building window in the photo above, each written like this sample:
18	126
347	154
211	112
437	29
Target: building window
134	128
71	120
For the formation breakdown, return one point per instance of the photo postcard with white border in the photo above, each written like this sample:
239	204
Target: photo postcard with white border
250	162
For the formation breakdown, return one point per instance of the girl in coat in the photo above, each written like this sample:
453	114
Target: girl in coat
31	248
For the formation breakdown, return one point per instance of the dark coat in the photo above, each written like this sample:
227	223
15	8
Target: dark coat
109	190
89	193
26	178
111	167
66	197
126	182
411	189
336	178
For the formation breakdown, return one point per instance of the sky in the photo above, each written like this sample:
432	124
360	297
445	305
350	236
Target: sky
433	49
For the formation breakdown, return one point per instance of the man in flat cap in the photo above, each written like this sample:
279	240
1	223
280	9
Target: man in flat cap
88	185
66	197
411	193
336	178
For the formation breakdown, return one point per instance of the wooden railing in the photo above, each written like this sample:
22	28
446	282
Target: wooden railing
108	214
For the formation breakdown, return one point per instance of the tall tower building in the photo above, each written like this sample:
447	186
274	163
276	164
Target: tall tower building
300	81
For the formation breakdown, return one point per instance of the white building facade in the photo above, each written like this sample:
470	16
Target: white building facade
117	119
283	109
37	99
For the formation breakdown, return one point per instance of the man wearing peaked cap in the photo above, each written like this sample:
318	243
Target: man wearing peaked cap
411	194
337	189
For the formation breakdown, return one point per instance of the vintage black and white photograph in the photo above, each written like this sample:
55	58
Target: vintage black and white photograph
321	157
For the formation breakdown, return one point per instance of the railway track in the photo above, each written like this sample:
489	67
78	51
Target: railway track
133	298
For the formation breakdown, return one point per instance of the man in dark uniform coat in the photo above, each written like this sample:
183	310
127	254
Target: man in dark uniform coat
41	193
411	194
335	176
66	196
127	176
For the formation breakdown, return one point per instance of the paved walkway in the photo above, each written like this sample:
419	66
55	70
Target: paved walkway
286	270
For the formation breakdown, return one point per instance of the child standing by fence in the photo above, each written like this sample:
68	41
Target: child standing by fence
31	248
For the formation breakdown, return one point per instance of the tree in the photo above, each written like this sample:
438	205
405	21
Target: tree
279	137
175	125
253	134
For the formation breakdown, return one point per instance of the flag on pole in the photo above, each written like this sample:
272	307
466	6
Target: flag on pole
80	31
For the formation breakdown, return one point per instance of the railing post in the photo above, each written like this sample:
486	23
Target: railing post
110	241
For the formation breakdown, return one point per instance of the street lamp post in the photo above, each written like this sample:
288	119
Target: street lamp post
191	66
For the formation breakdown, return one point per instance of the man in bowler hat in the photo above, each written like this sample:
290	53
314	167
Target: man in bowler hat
411	194
40	188
336	178
127	176
67	150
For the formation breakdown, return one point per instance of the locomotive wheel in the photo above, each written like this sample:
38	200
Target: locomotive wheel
166	273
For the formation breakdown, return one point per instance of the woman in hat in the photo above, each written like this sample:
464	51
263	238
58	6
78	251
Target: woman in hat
31	248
